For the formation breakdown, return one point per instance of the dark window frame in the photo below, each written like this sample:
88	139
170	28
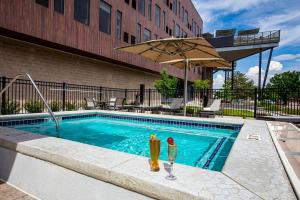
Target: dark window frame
85	21
133	4
125	37
150	10
157	17
44	3
59	6
119	29
142	7
101	25
147	30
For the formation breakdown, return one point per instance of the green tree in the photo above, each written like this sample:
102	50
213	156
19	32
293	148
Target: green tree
243	88
166	85
283	86
201	84
241	81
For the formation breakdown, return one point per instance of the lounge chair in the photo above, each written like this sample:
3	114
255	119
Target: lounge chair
212	110
90	103
175	105
111	104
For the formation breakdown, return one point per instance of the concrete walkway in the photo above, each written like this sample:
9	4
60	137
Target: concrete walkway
10	193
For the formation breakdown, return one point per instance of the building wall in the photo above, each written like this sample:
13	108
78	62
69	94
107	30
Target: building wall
51	65
31	19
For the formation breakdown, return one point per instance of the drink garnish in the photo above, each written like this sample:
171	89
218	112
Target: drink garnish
170	141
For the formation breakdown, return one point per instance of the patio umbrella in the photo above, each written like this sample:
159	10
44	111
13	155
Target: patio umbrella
173	49
219	63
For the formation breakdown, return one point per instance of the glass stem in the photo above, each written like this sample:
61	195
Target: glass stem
171	168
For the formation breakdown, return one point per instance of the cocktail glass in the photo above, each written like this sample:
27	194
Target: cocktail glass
154	154
172	152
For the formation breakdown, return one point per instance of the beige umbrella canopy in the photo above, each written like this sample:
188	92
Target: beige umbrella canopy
200	62
173	49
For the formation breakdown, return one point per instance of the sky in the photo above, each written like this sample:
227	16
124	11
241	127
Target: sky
268	15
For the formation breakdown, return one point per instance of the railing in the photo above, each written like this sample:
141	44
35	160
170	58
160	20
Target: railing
259	38
21	97
31	81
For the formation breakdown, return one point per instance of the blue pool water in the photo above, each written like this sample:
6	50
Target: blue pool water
204	147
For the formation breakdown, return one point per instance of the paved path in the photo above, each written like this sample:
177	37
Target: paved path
10	193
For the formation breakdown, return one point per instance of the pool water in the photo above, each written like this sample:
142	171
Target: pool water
197	146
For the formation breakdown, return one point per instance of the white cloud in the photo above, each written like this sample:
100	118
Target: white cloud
275	67
211	9
286	57
218	81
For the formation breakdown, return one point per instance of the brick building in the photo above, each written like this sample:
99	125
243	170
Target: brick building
74	40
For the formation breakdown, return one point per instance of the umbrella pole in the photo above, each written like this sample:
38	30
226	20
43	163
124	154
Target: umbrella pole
185	86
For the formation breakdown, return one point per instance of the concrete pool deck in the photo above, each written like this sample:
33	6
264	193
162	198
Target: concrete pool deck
253	169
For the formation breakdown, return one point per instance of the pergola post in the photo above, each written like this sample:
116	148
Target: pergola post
185	86
232	75
259	69
267	69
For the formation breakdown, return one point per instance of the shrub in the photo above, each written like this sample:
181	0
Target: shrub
10	108
201	84
166	85
34	107
54	105
193	110
70	106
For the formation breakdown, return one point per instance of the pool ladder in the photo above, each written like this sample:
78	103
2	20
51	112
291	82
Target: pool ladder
39	93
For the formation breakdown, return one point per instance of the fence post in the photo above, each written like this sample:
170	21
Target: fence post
126	93
100	93
64	96
255	102
3	95
149	97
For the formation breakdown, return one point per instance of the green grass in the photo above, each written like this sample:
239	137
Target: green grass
238	112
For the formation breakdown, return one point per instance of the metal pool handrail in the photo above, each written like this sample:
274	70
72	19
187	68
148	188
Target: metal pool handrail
39	93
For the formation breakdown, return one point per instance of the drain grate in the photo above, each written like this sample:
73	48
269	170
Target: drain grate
253	136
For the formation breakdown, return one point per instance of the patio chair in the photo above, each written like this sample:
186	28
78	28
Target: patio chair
212	110
111	104
90	103
175	105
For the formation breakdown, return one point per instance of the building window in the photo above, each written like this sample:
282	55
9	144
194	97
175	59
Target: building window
164	20
141	6
59	6
182	13
82	11
157	15
174	27
119	25
179	9
127	1
175	7
138	33
132	39
105	17
186	20
177	31
171	6
125	37
133	4
195	28
42	2
150	10
147	35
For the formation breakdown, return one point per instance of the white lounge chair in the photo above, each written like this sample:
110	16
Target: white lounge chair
212	110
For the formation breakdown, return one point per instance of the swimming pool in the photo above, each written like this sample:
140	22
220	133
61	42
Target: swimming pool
200	144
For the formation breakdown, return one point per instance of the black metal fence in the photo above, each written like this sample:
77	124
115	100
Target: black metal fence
22	98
